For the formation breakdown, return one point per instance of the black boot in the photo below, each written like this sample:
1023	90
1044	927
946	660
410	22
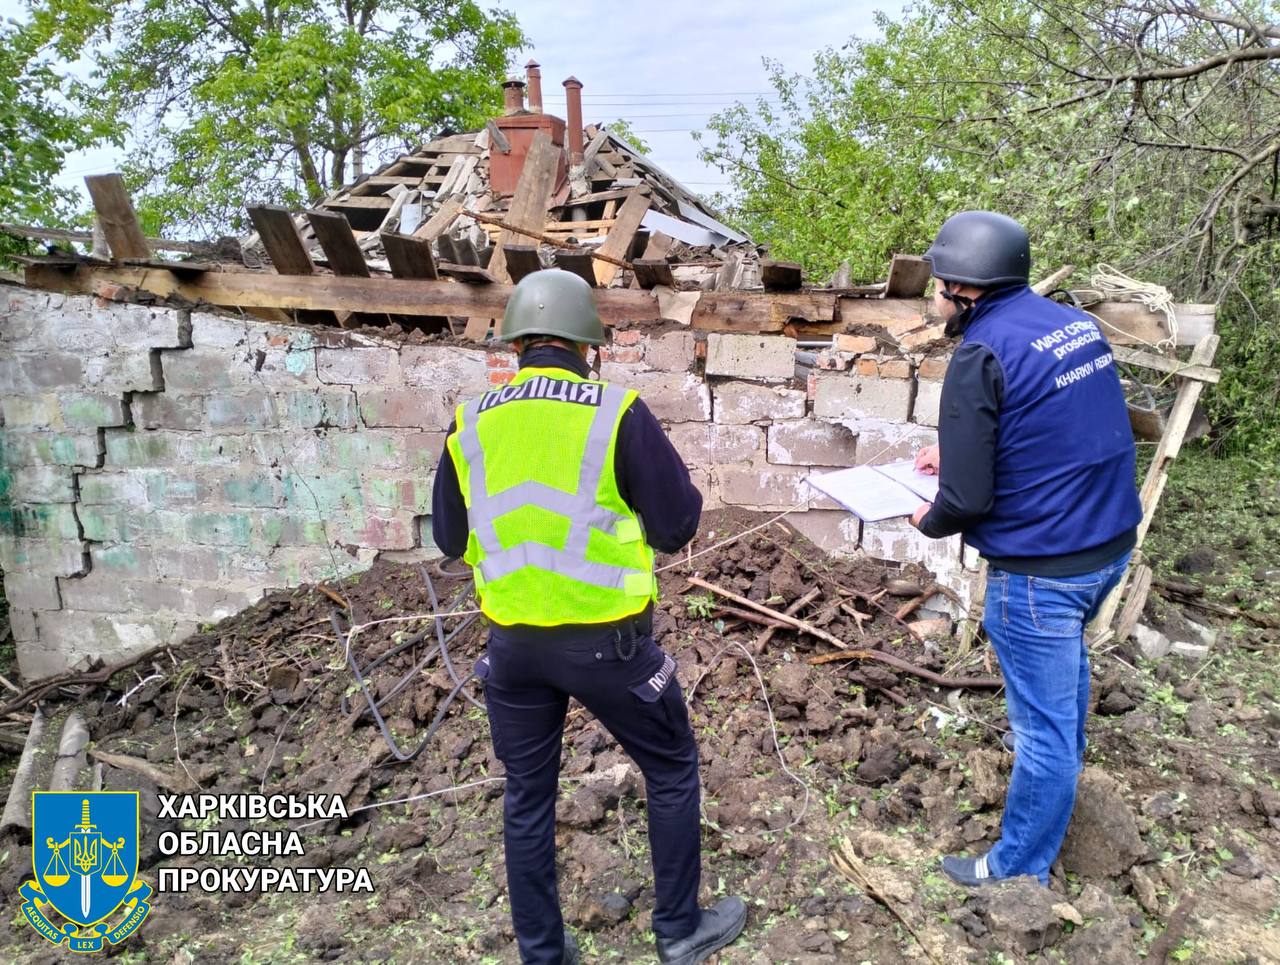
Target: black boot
571	954
720	925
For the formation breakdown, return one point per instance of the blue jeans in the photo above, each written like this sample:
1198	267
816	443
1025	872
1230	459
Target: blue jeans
1036	625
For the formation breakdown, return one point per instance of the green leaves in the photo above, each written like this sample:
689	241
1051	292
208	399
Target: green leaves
37	128
997	104
274	100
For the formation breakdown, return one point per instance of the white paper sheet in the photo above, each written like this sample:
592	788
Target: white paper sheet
868	493
904	471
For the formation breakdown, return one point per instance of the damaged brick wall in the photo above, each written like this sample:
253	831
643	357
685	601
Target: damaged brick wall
164	468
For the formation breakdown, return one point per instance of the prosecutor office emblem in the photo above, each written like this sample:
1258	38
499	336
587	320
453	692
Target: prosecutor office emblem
84	852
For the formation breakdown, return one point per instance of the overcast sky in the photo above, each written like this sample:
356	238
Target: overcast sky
664	66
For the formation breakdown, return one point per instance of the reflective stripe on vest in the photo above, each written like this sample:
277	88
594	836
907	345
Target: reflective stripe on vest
580	507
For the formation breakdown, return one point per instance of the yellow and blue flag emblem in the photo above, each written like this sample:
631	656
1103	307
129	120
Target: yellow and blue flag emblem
84	852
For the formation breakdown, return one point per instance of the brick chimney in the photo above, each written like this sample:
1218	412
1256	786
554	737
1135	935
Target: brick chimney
533	75
512	95
518	127
573	131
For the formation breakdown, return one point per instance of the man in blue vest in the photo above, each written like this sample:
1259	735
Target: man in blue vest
1036	466
557	489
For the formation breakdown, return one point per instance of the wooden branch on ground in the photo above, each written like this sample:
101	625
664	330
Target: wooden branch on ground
845	861
796	606
74	679
804	627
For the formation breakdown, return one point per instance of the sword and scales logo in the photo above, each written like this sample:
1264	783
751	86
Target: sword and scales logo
86	868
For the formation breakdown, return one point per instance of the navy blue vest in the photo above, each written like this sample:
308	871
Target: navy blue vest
1065	474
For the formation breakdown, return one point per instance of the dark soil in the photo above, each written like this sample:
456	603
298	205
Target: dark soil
1175	849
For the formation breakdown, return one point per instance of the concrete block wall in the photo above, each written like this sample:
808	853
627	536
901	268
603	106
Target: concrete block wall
160	468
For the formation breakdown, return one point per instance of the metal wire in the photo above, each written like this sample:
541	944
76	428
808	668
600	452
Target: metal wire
444	645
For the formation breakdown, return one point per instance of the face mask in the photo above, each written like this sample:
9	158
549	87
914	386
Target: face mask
959	319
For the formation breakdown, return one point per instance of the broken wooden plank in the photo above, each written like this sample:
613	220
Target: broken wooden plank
342	251
360	201
86	237
1167	450
848	314
388	180
470	274
116	215
613	194
1135	600
908	277
623	232
441	221
653	271
1161	363
336	239
409	256
781	275
488	219
532	198
279	235
497	140
1131	323
522	260
578	262
477	328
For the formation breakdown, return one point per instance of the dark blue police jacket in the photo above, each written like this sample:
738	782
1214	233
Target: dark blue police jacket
1065	459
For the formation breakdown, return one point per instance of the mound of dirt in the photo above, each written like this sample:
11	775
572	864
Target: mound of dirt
1176	831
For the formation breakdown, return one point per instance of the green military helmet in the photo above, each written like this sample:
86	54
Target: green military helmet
552	302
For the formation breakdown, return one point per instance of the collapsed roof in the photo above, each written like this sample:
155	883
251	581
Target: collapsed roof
437	192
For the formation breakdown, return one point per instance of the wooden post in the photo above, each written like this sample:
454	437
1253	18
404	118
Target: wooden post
1167	449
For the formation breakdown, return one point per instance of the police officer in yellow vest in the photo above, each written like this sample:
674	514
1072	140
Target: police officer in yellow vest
557	489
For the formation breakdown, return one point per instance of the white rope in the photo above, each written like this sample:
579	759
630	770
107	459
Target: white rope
1111	283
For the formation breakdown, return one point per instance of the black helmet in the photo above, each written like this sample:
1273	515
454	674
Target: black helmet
981	248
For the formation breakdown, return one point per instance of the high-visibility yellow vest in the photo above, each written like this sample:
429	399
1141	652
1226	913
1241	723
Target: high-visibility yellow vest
551	540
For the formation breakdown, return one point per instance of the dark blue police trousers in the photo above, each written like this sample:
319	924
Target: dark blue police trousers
528	680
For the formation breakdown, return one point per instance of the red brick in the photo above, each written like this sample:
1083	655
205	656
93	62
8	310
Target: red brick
934	369
895	369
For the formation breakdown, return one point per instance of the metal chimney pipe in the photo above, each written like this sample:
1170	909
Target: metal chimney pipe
573	98
533	75
512	95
